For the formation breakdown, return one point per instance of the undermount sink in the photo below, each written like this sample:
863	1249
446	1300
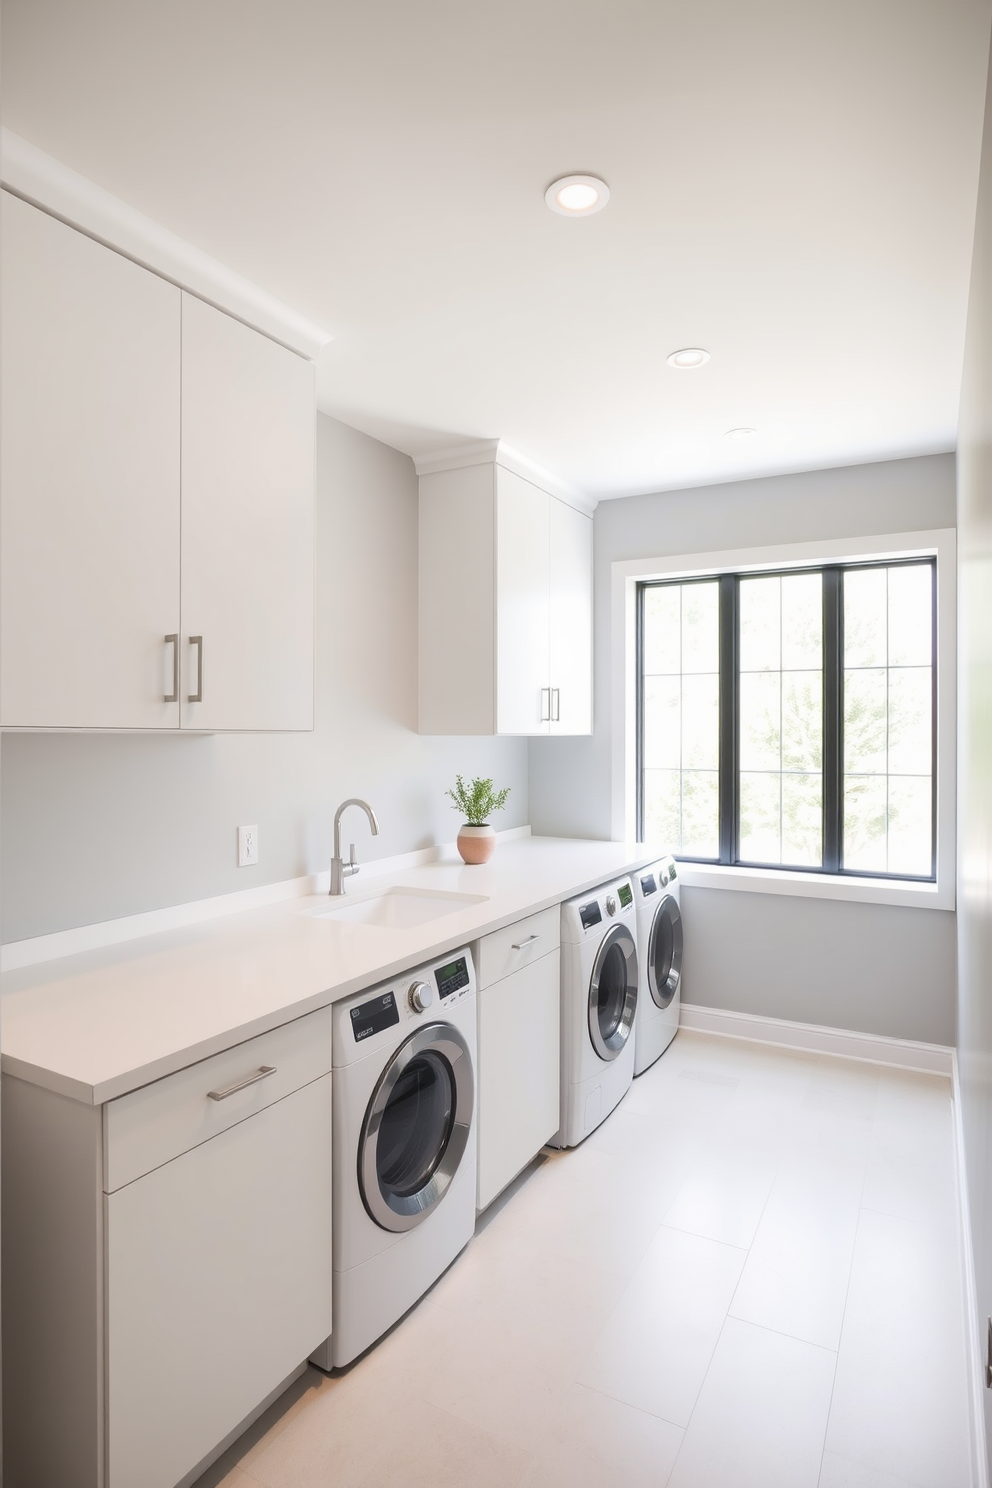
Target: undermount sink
400	908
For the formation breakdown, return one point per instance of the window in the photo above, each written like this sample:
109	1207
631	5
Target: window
788	719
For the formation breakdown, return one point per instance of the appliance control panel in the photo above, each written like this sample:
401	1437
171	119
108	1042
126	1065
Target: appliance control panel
420	994
612	901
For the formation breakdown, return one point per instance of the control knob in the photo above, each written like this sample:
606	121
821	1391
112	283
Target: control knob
420	996
611	905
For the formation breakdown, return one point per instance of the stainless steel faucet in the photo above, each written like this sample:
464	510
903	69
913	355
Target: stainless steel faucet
339	870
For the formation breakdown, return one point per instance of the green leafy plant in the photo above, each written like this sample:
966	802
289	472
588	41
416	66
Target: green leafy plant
477	801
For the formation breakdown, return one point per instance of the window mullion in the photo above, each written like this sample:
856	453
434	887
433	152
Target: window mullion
729	730
833	652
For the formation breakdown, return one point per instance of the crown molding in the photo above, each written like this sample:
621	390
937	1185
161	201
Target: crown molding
457	456
497	452
45	182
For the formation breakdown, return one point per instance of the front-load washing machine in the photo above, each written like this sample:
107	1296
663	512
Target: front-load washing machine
598	1003
403	1146
659	953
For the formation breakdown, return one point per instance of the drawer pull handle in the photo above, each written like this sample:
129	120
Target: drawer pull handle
260	1074
173	696
197	696
521	945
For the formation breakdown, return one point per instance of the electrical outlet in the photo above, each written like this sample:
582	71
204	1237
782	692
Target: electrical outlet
247	847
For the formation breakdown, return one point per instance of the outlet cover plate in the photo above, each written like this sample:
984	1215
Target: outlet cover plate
247	847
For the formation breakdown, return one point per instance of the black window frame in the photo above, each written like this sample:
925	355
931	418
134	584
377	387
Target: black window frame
833	713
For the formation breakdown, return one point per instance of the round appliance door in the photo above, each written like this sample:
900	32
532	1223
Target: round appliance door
416	1127
665	952
613	993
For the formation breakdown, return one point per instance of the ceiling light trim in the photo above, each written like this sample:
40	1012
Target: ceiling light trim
595	183
45	182
698	354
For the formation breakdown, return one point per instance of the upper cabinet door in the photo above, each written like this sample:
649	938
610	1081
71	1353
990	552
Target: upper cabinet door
571	620
523	690
247	527
90	518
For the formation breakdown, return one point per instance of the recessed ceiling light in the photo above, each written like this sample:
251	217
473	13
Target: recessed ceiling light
577	196
688	357
740	433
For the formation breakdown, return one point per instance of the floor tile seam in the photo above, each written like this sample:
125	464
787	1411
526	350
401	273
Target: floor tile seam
922	1221
843	1319
826	1348
502	1441
750	1244
695	1403
870	1467
641	1410
244	1471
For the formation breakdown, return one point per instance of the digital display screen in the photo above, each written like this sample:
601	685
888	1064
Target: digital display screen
648	885
590	914
373	1016
626	895
451	978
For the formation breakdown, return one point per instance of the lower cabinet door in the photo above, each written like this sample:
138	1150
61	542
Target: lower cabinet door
218	1286
519	1042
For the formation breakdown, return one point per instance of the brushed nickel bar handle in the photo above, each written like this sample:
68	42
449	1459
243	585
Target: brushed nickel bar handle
555	709
545	704
173	696
260	1074
197	696
521	945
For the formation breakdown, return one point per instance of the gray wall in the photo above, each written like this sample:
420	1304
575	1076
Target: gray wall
975	745
97	826
889	986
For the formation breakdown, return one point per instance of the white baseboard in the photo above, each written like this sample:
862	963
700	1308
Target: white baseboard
20	953
936	1059
974	1342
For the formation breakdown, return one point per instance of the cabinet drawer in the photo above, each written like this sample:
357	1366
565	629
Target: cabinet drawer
507	950
218	1286
158	1122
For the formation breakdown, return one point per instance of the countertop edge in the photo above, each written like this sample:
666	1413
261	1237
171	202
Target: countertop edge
182	1056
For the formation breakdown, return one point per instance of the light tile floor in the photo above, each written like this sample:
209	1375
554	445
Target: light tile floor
747	1276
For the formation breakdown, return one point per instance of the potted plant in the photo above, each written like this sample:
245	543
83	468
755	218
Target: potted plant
477	802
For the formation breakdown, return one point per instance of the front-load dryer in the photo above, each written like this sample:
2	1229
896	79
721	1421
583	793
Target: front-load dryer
403	1146
598	1003
659	950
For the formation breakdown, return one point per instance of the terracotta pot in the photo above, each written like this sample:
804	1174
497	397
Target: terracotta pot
476	844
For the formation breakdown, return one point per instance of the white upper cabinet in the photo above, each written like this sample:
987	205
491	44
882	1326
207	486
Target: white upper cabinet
505	606
570	620
158	485
523	609
247	527
90	577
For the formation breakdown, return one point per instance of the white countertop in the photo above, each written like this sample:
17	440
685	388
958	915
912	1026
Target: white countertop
96	1025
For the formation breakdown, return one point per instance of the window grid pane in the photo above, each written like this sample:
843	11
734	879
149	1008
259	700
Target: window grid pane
888	720
680	717
770	722
780	711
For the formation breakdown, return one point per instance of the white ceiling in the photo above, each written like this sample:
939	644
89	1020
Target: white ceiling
793	187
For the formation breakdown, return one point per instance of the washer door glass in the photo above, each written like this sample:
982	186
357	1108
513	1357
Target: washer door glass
416	1127
613	993
665	952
